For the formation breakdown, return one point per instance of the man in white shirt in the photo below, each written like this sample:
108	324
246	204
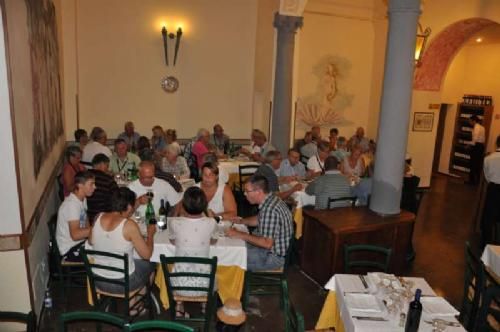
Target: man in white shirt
490	227
260	146
161	189
98	145
315	164
477	150
72	222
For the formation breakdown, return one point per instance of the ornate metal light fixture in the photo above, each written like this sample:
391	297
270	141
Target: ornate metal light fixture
422	36
166	36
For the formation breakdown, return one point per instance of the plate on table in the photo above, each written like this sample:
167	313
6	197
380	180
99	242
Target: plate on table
435	306
378	280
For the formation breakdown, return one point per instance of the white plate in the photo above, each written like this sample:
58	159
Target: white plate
437	306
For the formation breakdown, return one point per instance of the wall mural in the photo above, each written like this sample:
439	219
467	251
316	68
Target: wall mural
327	105
44	58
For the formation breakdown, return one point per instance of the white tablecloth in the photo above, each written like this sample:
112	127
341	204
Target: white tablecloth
231	165
229	252
491	258
345	283
302	199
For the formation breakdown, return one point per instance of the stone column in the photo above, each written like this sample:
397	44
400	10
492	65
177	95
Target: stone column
395	106
282	101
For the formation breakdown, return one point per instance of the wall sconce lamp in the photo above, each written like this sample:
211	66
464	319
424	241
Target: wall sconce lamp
171	35
422	36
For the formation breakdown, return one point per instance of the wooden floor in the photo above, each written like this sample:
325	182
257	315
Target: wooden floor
443	225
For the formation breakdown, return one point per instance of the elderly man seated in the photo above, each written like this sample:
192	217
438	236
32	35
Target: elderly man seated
341	151
269	168
310	148
130	136
220	140
359	139
122	160
330	185
97	145
291	168
315	164
72	222
268	244
148	184
260	146
174	164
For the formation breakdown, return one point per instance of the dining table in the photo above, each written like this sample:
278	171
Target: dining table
231	166
373	302
491	260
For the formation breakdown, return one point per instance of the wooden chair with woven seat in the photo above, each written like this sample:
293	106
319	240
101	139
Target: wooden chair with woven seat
66	271
102	299
244	172
100	318
157	325
170	273
367	258
346	200
488	317
474	284
29	319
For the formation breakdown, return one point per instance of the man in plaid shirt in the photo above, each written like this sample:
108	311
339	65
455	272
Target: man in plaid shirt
267	246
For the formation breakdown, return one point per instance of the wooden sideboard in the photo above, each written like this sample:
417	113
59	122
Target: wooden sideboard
327	231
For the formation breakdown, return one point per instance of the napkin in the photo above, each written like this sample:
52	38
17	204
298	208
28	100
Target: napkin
363	302
438	306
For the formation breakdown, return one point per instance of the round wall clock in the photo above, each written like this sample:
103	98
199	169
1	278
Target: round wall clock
170	84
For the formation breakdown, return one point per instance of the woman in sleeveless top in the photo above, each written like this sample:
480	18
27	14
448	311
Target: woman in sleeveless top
353	165
116	233
220	198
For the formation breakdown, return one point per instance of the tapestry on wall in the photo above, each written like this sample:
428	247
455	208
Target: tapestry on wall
327	105
46	86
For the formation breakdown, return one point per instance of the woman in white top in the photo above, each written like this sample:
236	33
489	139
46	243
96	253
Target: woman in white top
220	198
193	233
116	233
316	164
353	165
171	138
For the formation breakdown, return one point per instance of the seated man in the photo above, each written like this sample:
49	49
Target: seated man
161	189
97	145
269	168
359	139
332	139
315	164
291	168
175	164
331	185
105	185
267	246
220	140
310	148
72	222
130	136
260	146
122	160
341	151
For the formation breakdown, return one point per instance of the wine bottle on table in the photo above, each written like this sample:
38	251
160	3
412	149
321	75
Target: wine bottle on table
150	212
162	215
414	313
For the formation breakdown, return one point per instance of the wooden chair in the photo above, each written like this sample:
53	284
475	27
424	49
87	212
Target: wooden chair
294	321
100	318
474	284
368	261
488	318
157	325
244	172
28	319
103	299
167	265
66	271
351	200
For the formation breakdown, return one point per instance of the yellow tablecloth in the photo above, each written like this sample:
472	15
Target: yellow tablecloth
230	280
233	180
299	222
330	314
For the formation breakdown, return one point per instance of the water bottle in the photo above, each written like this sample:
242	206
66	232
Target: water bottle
414	313
48	300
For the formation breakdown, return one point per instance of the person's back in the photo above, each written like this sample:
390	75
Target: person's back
267	171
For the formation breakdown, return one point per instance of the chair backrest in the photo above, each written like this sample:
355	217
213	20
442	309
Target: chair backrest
244	172
157	325
409	198
488	318
90	265
294	321
474	284
350	200
177	275
368	258
28	319
89	316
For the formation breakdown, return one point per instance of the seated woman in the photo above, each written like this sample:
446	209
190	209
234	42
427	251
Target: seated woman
144	150
193	235
174	164
221	202
71	166
117	233
171	139
158	142
353	165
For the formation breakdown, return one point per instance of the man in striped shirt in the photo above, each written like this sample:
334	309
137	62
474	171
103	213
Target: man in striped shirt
268	244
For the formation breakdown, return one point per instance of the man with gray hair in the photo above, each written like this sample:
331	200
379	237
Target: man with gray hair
270	170
220	140
200	147
130	136
174	164
260	146
330	185
97	145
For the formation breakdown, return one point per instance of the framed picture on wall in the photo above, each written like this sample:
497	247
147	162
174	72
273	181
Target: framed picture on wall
423	121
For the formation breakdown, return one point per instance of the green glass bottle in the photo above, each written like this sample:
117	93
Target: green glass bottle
150	212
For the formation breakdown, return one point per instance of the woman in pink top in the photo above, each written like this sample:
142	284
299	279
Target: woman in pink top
201	146
71	166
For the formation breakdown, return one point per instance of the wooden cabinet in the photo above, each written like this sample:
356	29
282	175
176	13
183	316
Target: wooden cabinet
462	137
